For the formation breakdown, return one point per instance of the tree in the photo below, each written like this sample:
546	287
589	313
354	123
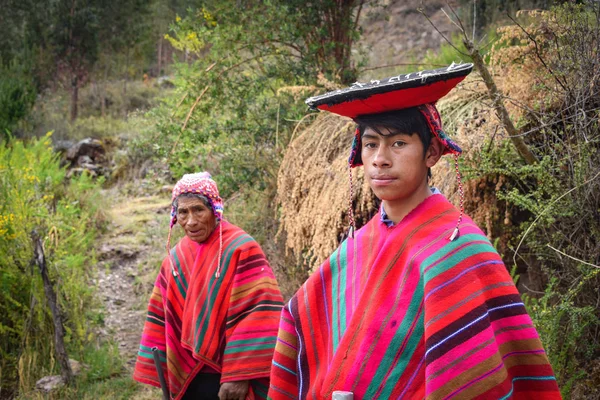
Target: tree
243	57
75	39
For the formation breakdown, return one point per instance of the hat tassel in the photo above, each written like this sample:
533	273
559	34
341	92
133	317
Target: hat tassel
218	273
461	194
350	208
173	271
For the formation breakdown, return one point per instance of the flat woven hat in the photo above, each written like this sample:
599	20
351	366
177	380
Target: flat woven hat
394	93
416	89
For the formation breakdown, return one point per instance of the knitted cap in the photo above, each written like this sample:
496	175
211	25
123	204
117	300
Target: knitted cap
200	183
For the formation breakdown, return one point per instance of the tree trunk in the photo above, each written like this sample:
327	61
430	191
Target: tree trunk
496	98
74	98
159	56
103	95
59	332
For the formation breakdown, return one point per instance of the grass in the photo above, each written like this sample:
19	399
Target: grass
102	377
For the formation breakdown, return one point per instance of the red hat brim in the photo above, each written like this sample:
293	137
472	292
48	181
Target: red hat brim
394	93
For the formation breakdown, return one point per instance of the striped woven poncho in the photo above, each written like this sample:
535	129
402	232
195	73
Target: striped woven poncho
402	312
199	322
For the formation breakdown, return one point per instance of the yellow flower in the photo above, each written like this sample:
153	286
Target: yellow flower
177	18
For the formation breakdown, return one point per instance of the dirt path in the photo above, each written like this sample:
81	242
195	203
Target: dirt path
129	255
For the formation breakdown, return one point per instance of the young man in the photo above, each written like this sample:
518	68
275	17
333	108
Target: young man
417	303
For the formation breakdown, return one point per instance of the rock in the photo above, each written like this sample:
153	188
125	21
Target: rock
77	367
90	167
120	251
93	148
84	159
61	146
50	383
165	82
78	171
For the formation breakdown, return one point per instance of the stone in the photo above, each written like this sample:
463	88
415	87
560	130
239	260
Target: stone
165	82
50	383
78	171
84	159
90	167
77	367
92	148
120	251
61	146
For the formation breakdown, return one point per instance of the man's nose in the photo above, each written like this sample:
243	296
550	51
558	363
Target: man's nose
192	219
381	158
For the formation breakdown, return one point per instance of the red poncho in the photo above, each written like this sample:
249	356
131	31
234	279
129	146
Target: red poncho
403	312
197	321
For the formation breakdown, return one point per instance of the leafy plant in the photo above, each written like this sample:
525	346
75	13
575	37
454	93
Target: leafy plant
17	95
563	327
36	195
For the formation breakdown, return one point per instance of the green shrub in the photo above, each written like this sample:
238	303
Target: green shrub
563	327
17	95
67	215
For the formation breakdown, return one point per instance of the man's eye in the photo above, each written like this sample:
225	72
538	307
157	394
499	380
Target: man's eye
370	145
399	143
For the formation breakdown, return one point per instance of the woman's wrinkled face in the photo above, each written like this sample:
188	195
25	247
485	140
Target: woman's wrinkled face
196	218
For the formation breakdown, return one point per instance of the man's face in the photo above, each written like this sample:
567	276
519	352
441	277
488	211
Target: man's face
395	165
196	219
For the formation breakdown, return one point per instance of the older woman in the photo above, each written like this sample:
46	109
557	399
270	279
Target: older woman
214	311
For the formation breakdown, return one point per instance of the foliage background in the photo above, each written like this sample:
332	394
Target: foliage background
177	86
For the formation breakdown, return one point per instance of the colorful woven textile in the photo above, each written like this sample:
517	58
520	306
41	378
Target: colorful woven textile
402	312
198	183
197	321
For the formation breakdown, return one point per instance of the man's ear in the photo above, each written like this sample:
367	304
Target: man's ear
434	152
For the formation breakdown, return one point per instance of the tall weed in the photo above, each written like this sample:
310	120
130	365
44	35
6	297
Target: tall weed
67	215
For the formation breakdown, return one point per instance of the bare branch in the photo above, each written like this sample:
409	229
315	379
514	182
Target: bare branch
573	258
545	210
474	19
451	20
537	53
497	98
462	27
420	10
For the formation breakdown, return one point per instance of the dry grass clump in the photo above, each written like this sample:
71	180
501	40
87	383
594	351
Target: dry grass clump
313	189
521	55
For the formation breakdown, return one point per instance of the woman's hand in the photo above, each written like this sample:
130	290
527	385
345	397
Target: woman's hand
234	390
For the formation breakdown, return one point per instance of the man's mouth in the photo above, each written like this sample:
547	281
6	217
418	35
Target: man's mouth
382	179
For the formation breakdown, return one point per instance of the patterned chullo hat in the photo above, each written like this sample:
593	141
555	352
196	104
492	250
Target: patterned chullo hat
200	183
416	89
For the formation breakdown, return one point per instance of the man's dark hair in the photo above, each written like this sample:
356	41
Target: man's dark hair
408	121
